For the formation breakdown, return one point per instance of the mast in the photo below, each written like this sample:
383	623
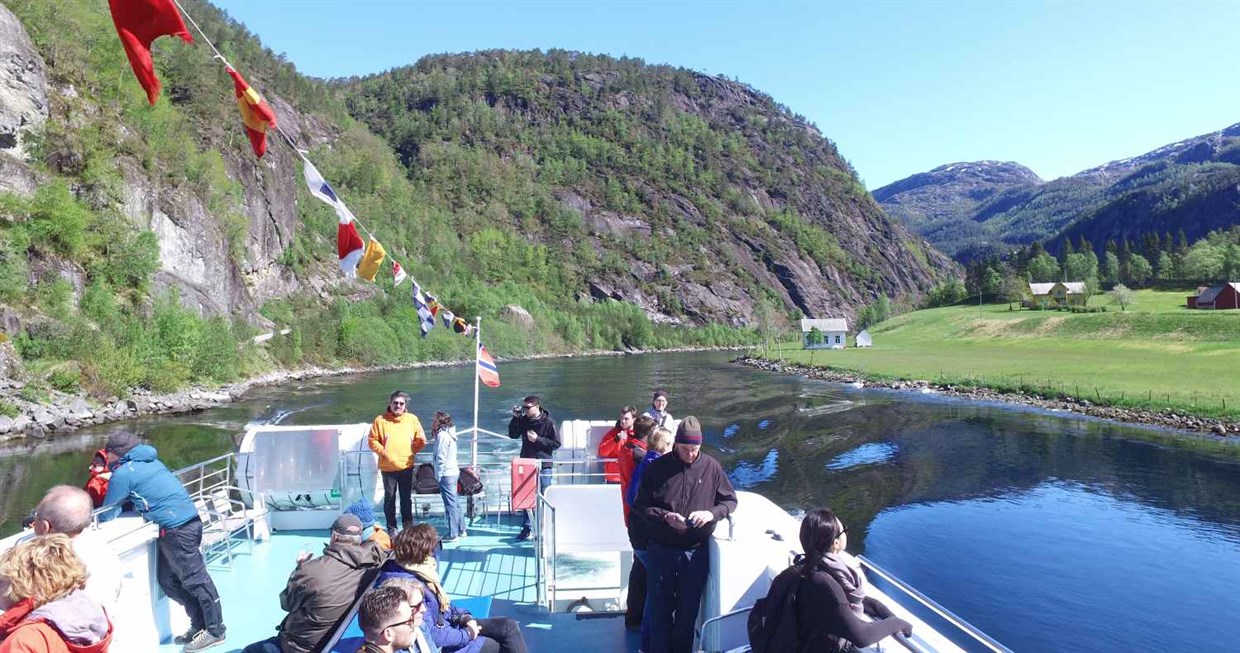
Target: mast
473	456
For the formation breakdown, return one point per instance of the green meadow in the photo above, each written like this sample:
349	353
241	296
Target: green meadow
1154	355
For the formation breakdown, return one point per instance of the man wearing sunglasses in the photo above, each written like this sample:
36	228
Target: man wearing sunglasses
532	424
396	437
391	619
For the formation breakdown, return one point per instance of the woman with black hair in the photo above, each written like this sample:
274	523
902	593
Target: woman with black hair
825	613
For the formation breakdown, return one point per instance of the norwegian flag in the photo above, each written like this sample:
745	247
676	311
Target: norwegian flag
398	273
488	373
425	318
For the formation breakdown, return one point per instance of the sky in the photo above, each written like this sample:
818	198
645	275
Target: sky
900	87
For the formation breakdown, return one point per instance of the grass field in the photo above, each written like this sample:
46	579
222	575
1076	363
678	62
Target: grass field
1154	355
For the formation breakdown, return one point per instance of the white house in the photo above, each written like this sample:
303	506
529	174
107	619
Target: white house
834	331
863	339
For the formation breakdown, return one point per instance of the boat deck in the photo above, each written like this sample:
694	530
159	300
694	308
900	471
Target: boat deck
488	563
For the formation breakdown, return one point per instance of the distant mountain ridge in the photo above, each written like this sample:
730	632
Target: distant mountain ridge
974	209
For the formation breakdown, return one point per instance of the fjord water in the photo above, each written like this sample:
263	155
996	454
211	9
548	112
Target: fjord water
1048	532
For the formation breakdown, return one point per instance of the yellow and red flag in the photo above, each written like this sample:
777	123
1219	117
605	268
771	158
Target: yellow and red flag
255	113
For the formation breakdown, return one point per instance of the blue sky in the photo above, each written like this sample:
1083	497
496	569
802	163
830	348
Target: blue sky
901	87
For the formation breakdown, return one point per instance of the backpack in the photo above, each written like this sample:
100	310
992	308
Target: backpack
468	484
773	621
424	480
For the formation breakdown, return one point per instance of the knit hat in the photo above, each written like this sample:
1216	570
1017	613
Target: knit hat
659	393
347	524
689	431
364	512
121	443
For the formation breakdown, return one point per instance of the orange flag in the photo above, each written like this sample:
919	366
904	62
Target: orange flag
255	113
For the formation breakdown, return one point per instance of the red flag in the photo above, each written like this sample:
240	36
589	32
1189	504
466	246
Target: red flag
255	113
139	22
488	373
350	247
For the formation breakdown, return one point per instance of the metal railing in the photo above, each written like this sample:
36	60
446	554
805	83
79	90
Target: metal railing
199	480
942	612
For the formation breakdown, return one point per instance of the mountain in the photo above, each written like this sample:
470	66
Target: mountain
573	201
970	210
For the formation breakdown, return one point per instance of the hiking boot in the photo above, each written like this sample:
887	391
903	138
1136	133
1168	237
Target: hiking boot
203	640
186	637
524	534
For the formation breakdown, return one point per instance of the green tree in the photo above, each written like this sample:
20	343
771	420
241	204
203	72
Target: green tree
1043	268
1139	269
814	337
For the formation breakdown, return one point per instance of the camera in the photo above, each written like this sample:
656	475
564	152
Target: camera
516	411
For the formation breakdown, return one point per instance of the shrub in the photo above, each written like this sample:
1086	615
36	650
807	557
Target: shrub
9	409
66	379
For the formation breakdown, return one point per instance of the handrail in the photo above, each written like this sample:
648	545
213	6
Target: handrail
701	631
226	470
947	615
547	585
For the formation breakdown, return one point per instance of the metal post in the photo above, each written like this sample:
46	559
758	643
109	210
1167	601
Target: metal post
473	456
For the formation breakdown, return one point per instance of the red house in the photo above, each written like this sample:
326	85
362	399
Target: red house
1217	298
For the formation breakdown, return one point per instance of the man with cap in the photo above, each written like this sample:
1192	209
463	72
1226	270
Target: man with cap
140	478
321	590
679	501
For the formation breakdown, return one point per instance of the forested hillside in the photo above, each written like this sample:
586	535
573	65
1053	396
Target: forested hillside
143	246
972	210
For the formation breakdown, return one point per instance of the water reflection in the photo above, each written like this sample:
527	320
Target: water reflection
866	454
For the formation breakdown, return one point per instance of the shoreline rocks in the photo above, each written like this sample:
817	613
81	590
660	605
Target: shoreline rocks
1163	419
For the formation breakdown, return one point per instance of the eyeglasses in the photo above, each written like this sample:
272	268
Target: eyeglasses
398	403
529	407
421	607
843	532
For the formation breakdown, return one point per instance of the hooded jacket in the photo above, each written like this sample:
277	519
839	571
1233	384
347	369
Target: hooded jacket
543	445
321	590
74	623
139	477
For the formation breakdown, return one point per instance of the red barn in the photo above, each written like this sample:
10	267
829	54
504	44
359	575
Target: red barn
1218	297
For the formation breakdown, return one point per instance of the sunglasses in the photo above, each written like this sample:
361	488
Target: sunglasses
409	622
528	407
398	403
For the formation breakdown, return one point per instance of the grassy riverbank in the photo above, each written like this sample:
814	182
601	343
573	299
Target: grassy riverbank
1153	356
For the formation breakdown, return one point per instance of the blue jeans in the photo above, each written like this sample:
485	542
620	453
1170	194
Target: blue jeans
451	505
544	482
675	581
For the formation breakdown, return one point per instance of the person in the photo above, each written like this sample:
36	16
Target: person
658	409
371	530
451	629
321	590
680	499
139	477
634	452
97	485
533	425
659	443
448	471
391	621
45	609
413	591
823	607
396	437
66	509
609	447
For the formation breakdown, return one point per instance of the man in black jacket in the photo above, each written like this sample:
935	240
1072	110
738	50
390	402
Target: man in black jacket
320	590
539	440
680	500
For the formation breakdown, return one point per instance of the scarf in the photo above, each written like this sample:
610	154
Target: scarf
428	572
849	577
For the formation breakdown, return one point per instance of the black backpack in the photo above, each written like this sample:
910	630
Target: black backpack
773	620
424	481
468	484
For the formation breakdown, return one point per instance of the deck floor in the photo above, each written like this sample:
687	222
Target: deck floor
489	562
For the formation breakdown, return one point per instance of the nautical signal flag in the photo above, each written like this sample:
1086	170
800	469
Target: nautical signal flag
350	247
488	373
321	189
426	320
255	113
398	273
369	267
139	23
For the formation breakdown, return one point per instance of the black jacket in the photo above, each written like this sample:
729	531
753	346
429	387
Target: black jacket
670	485
320	591
823	616
548	439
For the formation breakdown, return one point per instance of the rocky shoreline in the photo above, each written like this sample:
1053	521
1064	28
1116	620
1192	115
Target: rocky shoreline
1165	419
66	413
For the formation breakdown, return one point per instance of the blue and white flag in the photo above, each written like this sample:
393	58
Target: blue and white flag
321	189
425	317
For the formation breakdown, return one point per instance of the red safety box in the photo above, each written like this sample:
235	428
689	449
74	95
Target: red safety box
524	483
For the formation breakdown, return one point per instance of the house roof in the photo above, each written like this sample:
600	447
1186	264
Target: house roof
1041	288
1208	295
829	324
1073	287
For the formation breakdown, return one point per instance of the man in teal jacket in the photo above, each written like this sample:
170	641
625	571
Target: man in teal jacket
140	478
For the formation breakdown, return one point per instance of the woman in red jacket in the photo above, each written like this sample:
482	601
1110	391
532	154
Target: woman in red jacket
45	609
613	440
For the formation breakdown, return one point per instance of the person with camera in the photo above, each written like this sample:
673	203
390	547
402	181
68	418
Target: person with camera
533	425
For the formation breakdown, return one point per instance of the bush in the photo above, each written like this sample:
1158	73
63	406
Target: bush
66	379
9	409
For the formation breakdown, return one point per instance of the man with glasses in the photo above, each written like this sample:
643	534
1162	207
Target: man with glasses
534	427
396	437
391	619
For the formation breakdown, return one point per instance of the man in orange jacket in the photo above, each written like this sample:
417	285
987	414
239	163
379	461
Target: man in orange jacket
396	437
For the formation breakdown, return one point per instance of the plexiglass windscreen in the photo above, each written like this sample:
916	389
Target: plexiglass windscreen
296	461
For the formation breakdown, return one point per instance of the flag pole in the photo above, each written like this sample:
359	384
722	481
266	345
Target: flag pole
477	345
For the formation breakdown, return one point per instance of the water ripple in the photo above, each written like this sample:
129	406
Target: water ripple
747	474
866	454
